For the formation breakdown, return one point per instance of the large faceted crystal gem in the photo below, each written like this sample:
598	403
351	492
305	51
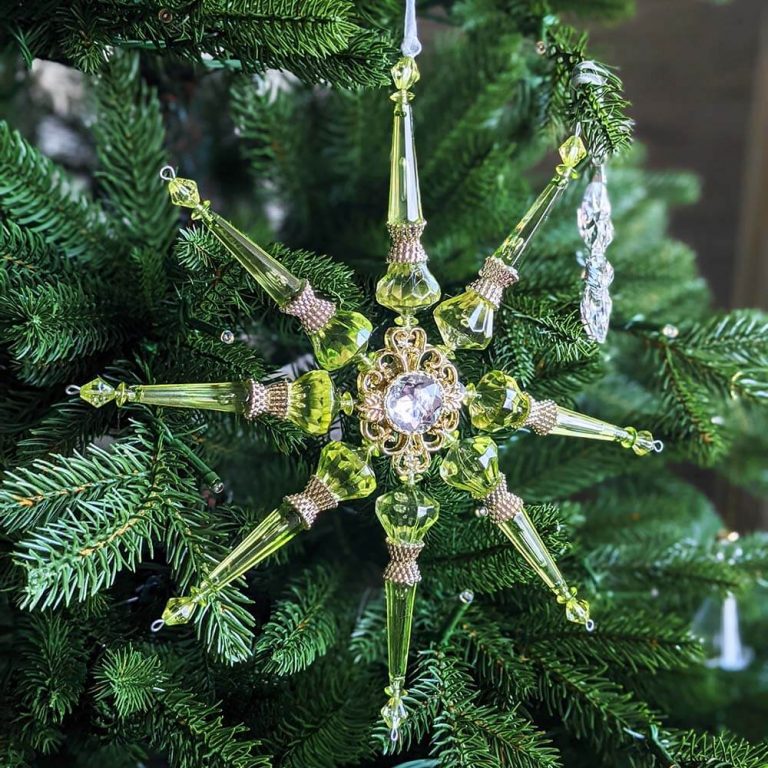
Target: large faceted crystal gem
413	402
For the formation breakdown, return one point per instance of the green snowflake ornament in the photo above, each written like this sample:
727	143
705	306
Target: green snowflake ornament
408	402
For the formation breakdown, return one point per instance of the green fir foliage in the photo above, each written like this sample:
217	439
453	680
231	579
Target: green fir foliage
106	513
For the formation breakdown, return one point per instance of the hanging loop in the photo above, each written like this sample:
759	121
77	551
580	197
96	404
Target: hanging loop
411	45
167	173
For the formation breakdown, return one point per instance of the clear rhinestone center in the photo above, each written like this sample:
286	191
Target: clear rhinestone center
413	402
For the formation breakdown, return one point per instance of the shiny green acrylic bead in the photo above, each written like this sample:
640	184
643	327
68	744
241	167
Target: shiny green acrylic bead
472	465
312	402
466	321
346	471
407	288
498	403
406	514
341	339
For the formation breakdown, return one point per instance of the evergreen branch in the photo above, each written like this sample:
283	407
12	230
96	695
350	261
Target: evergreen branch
333	726
129	141
302	627
315	39
52	662
37	195
38	494
597	105
368	638
140	688
724	750
56	322
494	657
77	555
585	699
472	554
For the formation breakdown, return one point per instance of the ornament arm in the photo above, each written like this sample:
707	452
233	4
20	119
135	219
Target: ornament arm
507	512
497	403
310	402
466	321
342	473
337	336
546	417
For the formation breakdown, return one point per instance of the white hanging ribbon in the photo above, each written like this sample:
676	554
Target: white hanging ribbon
411	45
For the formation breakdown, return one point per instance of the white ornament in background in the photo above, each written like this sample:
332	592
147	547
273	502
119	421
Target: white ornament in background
596	230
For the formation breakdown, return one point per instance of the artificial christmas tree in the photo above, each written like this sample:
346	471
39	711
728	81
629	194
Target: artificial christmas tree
107	513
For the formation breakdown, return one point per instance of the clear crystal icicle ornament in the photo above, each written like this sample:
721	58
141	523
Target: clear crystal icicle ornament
595	225
596	230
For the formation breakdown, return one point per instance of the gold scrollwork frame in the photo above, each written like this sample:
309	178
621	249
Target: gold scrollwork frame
406	350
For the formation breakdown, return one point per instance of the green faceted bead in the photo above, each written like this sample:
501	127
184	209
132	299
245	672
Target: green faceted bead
405	73
472	465
498	403
346	472
341	339
179	610
184	192
572	151
406	514
407	288
312	402
641	442
97	392
466	321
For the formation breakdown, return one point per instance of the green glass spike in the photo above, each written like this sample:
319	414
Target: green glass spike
498	403
574	424
225	396
472	465
404	192
466	321
572	152
406	514
269	273
274	532
341	339
344	473
309	402
523	534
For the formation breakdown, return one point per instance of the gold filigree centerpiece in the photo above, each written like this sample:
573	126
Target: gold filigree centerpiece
409	400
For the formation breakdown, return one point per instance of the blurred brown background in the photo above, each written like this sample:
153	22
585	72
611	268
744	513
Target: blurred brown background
697	74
